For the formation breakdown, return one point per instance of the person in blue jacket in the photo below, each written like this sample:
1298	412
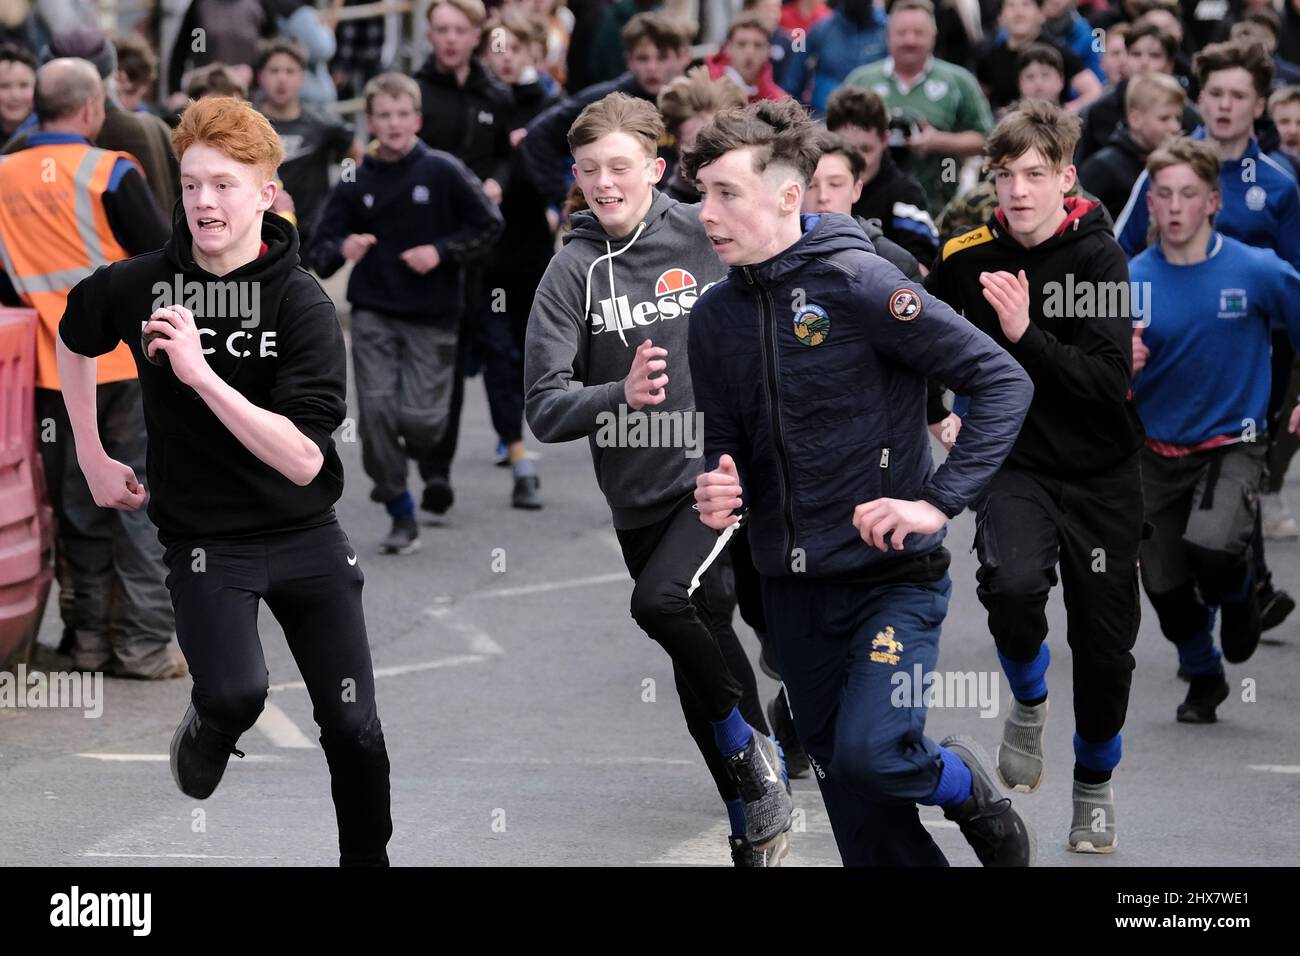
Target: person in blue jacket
810	363
852	36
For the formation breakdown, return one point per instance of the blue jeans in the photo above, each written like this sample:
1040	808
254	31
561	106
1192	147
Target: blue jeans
837	655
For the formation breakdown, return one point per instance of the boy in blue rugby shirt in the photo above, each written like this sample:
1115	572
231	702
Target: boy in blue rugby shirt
1202	390
1259	205
411	220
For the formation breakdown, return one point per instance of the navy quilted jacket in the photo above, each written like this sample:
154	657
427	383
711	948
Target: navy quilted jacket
810	370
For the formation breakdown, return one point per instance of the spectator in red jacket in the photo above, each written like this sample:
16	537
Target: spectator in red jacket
746	58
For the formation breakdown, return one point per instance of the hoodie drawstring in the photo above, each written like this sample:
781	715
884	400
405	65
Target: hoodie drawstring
610	255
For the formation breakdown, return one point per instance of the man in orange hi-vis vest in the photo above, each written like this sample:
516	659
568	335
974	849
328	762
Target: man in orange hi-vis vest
67	208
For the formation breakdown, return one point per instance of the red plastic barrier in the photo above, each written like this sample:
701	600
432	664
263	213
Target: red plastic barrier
26	520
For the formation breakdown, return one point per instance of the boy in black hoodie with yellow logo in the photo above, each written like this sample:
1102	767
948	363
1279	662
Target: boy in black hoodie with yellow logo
1046	280
243	376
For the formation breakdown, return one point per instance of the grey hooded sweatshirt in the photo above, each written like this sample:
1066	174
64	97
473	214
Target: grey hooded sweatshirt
599	299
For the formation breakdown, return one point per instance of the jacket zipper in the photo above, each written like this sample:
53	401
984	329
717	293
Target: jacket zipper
774	405
886	481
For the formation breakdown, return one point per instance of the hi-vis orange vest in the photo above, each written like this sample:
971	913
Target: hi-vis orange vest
53	233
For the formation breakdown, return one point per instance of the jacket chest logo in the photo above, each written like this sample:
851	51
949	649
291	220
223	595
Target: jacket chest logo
812	325
485	117
420	194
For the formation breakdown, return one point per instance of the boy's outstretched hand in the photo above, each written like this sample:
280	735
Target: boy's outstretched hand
717	495
875	519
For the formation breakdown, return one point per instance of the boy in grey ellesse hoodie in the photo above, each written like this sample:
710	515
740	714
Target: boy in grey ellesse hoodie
611	312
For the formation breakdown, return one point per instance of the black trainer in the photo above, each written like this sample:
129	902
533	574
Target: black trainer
1205	692
1239	629
404	538
525	494
778	716
757	772
743	853
1274	605
438	496
198	756
995	831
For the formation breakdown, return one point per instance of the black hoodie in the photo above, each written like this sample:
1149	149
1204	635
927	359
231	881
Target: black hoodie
897	201
273	335
1109	173
472	122
1079	354
1104	116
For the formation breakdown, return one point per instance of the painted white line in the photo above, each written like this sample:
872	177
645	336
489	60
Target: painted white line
479	641
588	762
707	848
710	847
281	730
176	856
1275	767
159	758
548	586
399	669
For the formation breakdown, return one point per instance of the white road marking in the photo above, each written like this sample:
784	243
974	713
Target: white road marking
588	762
1275	767
480	642
280	729
549	586
160	758
399	669
176	856
710	848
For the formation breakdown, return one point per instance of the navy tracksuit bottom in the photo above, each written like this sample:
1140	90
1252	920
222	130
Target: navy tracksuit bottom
838	646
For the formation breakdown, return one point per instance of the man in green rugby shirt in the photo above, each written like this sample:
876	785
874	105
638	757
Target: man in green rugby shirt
943	99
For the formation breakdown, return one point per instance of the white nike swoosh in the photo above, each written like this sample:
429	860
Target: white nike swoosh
352	559
771	775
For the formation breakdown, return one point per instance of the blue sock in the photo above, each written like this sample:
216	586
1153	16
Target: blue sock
736	814
1101	757
1028	679
954	782
732	733
403	506
1197	655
